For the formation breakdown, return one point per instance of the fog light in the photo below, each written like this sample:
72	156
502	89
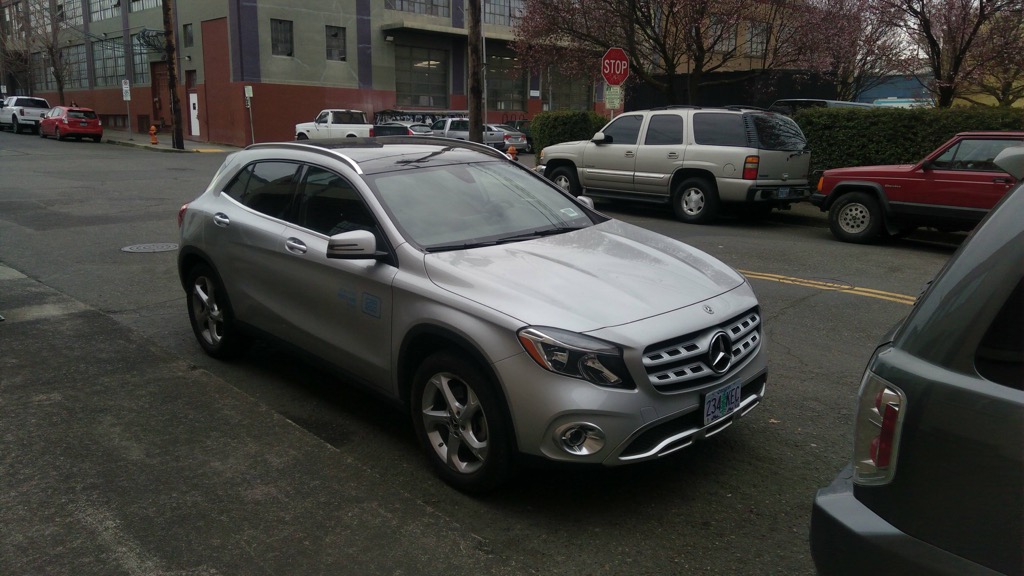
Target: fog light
580	438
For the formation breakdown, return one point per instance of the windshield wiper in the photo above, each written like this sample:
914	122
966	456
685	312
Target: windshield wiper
504	239
460	246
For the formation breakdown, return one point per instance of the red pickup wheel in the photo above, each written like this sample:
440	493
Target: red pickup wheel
856	217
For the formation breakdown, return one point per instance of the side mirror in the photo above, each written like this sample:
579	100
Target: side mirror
586	201
601	138
1012	160
354	245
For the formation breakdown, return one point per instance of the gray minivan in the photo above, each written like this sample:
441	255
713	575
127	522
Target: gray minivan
936	482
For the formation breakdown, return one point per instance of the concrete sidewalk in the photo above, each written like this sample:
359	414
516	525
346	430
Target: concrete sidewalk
164	139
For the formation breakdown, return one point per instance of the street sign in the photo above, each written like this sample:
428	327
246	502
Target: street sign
613	97
126	91
615	66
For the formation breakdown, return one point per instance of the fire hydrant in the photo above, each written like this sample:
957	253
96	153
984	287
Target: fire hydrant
512	153
152	135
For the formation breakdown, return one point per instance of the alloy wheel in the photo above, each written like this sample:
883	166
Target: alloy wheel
455	423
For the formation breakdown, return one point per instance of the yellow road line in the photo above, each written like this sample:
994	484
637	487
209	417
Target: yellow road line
833	286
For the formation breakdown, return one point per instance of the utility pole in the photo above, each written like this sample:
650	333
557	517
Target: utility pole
177	138
476	92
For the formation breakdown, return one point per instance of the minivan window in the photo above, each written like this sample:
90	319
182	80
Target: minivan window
664	129
777	132
718	129
266	187
624	129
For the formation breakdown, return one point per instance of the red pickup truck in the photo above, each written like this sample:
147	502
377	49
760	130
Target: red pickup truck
951	189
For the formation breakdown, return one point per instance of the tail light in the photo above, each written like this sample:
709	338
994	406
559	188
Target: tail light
99	122
877	431
750	165
181	214
508	137
371	131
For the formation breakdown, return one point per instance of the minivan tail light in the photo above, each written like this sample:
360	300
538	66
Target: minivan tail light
750	165
880	412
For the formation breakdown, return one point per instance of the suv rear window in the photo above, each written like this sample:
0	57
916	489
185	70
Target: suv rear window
777	132
719	129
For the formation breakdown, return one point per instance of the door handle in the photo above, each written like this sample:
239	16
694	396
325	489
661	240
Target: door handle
673	155
221	219
1001	180
295	245
630	154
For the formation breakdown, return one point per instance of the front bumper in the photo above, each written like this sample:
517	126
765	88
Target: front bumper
818	199
848	538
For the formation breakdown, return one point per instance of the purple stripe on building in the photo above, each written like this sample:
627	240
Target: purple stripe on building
459	68
245	36
364	43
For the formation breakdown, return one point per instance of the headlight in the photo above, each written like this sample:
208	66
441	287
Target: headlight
576	355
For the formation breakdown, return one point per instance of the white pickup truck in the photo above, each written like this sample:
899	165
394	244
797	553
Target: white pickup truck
18	112
334	123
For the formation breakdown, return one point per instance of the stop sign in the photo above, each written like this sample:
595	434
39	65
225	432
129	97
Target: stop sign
615	66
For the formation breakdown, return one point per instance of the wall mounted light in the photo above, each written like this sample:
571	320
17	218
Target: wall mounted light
389	38
188	58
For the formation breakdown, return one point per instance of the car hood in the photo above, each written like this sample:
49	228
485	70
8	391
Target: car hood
605	275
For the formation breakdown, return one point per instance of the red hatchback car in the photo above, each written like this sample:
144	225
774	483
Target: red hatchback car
65	121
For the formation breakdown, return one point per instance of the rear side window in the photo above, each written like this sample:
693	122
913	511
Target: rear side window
266	187
664	129
1000	355
973	155
624	129
717	129
777	132
32	103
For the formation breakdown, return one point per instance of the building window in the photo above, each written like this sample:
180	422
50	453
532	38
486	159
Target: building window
723	34
503	12
104	9
335	42
77	74
108	62
140	60
429	7
506	87
567	93
281	37
187	41
69	12
42	73
139	5
421	77
757	33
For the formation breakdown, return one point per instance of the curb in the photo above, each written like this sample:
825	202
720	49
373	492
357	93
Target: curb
145	146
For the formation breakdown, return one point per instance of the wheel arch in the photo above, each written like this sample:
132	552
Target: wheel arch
873	188
553	165
188	258
685	173
426	339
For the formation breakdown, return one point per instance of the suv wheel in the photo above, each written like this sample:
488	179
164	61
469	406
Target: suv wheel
209	312
565	178
855	217
460	421
15	126
695	201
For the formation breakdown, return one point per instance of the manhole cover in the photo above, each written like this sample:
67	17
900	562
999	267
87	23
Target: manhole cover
163	247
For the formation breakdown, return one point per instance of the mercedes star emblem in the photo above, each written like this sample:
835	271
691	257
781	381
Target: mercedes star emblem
720	353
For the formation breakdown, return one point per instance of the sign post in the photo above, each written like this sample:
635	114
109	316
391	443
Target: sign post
614	70
126	95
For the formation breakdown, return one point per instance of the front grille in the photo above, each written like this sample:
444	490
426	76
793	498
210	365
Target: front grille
683	363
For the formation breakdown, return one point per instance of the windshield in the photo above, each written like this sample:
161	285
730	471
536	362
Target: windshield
460	206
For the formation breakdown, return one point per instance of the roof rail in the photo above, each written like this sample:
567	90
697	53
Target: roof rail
744	107
677	107
451	142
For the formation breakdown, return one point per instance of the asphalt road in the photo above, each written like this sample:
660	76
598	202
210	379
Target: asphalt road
125	450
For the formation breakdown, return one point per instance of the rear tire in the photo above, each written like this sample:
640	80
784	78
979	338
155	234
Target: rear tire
209	312
695	201
460	420
856	217
565	178
15	126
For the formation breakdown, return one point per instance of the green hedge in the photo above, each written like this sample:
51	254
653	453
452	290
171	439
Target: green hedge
549	128
855	137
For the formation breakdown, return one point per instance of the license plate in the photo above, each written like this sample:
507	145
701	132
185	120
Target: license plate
721	402
83	123
783	192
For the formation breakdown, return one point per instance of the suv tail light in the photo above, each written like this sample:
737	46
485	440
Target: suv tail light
880	411
371	131
750	165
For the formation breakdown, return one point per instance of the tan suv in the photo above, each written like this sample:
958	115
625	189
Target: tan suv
694	158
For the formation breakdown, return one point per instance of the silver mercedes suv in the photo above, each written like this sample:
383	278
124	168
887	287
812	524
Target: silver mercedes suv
505	315
693	158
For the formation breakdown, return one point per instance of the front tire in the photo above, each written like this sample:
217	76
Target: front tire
695	201
461	422
565	178
856	217
209	312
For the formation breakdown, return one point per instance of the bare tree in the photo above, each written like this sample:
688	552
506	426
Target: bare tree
863	48
35	44
663	38
1001	81
948	37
